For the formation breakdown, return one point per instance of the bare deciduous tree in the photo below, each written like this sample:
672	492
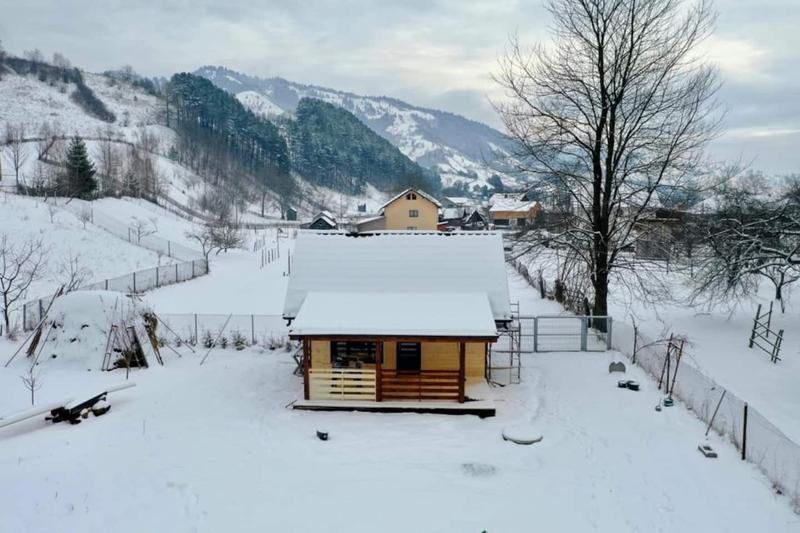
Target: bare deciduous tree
72	274
32	382
142	228
619	105
17	153
751	237
20	265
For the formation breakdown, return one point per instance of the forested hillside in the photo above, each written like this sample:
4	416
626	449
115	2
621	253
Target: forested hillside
218	137
335	149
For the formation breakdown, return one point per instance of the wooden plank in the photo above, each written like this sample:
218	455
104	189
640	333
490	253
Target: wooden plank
462	350
306	367
393	338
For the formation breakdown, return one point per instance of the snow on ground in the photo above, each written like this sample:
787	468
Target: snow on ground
717	344
214	448
100	252
33	102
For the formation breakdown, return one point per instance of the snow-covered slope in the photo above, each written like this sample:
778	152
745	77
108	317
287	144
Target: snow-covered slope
29	102
458	148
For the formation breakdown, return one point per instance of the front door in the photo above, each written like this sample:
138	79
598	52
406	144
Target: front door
409	356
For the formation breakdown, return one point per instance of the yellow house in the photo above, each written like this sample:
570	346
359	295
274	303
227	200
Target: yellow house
412	209
396	319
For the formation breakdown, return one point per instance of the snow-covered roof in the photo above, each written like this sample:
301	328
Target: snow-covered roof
419	192
459	201
512	204
326	216
428	314
385	262
450	213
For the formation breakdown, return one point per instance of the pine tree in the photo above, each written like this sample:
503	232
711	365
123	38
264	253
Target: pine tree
80	170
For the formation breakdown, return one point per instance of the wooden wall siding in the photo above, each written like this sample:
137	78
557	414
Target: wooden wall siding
397	217
435	356
342	384
320	354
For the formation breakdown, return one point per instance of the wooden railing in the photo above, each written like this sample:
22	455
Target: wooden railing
341	384
422	385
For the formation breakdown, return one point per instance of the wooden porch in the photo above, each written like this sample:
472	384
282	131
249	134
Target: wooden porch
437	373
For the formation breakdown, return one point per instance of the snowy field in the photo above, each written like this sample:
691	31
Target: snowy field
99	252
215	448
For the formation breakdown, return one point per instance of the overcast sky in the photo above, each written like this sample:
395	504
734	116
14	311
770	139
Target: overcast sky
432	53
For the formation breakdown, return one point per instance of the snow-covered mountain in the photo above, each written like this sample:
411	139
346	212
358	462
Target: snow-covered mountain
458	148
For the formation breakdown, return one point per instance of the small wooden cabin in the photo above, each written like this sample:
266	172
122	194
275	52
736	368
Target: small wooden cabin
396	317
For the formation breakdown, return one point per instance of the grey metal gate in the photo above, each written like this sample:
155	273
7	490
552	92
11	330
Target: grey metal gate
565	333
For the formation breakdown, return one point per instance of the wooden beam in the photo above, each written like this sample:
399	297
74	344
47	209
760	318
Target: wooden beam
394	338
462	355
306	367
379	372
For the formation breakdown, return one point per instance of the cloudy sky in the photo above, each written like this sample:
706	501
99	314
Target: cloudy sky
434	53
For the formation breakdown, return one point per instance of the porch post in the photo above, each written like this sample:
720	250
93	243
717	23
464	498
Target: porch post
462	355
306	367
379	371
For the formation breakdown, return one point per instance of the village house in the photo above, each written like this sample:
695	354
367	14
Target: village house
512	210
412	209
396	321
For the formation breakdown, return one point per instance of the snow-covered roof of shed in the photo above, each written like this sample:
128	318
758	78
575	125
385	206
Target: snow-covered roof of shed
326	216
459	201
512	204
421	193
401	314
384	262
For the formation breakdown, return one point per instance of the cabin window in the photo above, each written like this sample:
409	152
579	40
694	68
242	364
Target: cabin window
411	228
501	222
411	196
352	354
413	213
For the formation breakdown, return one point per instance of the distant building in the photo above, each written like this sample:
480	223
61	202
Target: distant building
291	214
412	209
323	220
512	210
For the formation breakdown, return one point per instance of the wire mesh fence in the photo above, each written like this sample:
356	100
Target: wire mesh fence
133	282
141	234
192	263
758	440
194	328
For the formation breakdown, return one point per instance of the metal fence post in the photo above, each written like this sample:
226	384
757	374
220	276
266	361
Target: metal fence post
106	283
134	282
169	248
535	334
196	340
584	332
176	273
609	323
744	434
253	328
157	285
192	268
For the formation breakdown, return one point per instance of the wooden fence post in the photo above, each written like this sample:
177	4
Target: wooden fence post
134	283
